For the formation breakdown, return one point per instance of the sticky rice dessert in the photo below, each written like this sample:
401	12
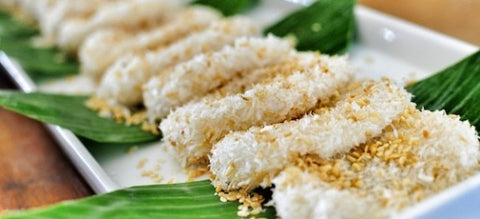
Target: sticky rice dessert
122	83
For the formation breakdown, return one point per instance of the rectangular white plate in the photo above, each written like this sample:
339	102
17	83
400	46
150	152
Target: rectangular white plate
384	46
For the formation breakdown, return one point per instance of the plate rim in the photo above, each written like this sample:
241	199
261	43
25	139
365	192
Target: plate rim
100	182
70	144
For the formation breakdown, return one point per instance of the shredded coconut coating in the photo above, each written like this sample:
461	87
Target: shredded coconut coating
50	14
102	48
122	82
35	8
298	194
252	158
296	61
124	14
208	71
63	11
194	128
418	155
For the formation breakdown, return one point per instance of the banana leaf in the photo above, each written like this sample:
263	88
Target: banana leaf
327	26
185	200
455	90
230	7
40	63
71	113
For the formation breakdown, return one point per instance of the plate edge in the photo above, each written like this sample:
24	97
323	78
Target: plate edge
81	158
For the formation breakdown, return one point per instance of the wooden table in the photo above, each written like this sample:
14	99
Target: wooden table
458	18
34	171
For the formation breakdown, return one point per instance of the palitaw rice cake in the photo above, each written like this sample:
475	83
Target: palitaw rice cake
123	80
194	128
132	14
419	154
101	49
62	11
206	72
252	158
255	112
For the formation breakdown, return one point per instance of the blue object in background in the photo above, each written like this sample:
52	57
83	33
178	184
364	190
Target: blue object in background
465	207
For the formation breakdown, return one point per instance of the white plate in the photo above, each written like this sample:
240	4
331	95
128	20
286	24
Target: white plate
384	46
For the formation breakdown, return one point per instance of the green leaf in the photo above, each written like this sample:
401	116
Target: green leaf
39	63
10	28
185	200
327	26
455	89
230	7
71	113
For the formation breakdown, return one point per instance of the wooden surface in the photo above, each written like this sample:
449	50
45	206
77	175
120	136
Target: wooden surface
33	170
457	18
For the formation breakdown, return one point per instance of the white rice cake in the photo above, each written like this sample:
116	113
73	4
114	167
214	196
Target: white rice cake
126	14
206	72
123	81
252	158
418	155
194	128
101	49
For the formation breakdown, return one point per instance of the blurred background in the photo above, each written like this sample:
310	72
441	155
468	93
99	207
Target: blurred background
57	180
457	18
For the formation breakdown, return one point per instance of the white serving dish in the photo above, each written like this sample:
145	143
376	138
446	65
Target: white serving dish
384	46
